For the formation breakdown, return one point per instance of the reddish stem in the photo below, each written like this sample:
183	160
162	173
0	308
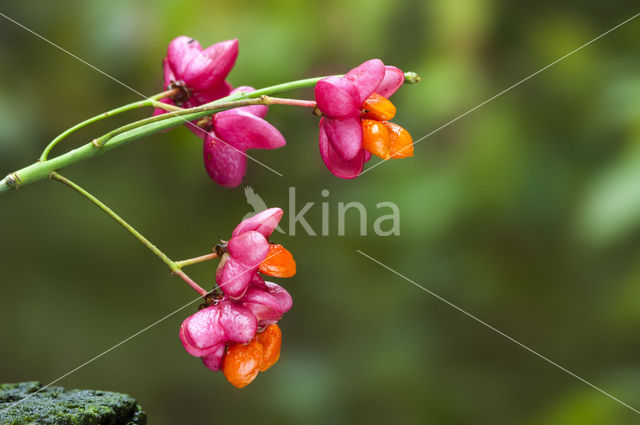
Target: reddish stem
195	260
293	102
191	283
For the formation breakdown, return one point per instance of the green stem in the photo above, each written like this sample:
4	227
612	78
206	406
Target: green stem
135	105
161	255
207	109
139	129
41	170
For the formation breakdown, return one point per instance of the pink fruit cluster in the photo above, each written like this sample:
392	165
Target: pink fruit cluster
201	74
248	303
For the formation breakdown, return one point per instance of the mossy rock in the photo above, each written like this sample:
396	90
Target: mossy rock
56	406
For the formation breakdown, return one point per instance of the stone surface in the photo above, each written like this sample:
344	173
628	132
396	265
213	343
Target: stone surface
57	406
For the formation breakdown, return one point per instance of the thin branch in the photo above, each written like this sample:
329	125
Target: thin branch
146	242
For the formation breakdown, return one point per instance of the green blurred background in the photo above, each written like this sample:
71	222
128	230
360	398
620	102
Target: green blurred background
526	213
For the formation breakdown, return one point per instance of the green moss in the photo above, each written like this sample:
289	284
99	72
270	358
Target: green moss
55	406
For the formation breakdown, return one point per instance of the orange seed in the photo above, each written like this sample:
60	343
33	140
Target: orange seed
401	143
375	138
241	363
271	340
279	262
378	108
